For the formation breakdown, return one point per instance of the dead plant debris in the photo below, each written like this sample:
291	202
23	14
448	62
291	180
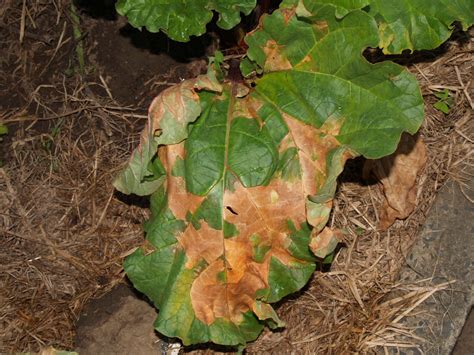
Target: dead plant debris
64	231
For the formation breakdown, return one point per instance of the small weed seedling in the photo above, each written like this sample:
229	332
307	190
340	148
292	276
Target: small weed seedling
444	102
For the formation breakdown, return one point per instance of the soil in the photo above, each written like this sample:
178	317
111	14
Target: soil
137	65
465	343
118	323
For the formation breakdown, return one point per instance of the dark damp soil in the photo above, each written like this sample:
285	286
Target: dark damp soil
137	64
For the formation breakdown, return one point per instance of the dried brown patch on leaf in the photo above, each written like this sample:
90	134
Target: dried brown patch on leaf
397	174
180	201
325	242
224	291
322	26
307	59
312	169
227	287
258	209
248	107
275	60
205	243
313	147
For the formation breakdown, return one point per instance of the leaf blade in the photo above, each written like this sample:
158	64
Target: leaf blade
180	19
418	24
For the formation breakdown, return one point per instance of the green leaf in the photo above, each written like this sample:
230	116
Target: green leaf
442	95
3	129
342	7
168	119
418	24
445	101
441	106
316	72
180	19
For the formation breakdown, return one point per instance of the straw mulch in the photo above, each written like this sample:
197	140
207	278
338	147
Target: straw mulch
64	231
62	228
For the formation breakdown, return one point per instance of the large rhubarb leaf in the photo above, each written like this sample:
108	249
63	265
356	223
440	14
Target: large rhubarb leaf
315	72
418	24
180	19
241	196
404	24
229	233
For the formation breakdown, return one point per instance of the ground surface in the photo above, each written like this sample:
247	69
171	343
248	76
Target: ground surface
118	323
444	252
65	232
465	343
138	65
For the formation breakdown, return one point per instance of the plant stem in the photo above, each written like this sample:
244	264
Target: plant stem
78	37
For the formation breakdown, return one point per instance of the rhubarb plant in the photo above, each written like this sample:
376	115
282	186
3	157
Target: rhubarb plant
241	174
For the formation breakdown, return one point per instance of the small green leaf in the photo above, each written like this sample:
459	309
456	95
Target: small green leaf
441	106
445	101
442	95
3	129
216	63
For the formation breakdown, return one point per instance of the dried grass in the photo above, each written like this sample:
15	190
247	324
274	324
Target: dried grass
63	229
64	232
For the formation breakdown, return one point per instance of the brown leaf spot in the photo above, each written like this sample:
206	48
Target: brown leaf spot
206	243
147	247
260	210
275	60
325	242
180	201
313	146
307	59
288	13
248	107
321	26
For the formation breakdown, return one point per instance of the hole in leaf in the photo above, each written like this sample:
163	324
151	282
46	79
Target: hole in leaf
232	210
